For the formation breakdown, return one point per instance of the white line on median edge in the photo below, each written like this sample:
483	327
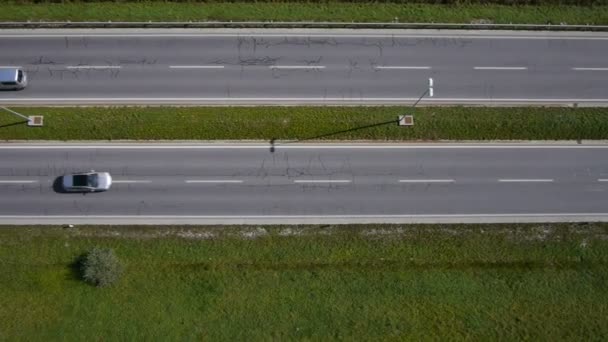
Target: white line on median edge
196	66
500	68
17	181
15	146
296	99
213	181
540	180
426	181
322	181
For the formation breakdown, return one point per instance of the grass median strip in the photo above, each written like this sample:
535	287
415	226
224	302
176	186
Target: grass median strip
543	13
366	282
306	123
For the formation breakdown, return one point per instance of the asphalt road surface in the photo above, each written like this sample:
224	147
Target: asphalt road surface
307	183
306	66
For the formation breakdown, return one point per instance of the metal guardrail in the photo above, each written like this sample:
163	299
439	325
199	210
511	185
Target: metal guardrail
300	24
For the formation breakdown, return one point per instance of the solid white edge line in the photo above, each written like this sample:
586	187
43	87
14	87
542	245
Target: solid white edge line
590	69
540	180
18	181
305	219
93	67
293	99
296	67
388	67
129	181
305	216
213	181
308	181
426	181
303	35
196	67
500	68
15	146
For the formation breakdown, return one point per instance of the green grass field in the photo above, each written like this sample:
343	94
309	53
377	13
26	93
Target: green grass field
302	11
480	282
307	123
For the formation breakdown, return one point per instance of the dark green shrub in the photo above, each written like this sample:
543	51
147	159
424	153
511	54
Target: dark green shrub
101	267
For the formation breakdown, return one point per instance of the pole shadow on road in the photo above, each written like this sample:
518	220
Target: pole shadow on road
273	143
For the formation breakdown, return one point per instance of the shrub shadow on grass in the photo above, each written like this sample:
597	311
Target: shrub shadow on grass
76	268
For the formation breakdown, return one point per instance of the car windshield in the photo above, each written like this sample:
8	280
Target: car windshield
85	180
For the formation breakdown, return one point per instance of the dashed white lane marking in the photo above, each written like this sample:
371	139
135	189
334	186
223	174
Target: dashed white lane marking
17	181
322	181
296	67
500	68
93	67
196	66
426	181
131	181
590	69
390	67
538	180
214	181
603	180
10	66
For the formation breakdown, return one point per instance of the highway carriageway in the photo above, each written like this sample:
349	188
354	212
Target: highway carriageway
220	183
306	66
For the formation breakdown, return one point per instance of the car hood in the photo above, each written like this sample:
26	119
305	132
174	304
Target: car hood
104	180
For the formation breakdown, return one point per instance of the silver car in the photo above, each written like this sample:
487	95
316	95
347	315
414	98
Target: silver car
12	79
87	182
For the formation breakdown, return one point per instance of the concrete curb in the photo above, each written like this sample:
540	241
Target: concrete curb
265	143
308	220
301	24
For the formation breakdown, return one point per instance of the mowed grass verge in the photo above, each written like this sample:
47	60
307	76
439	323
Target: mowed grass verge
480	282
302	11
307	123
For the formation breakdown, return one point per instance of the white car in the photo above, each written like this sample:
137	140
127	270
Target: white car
12	78
87	182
